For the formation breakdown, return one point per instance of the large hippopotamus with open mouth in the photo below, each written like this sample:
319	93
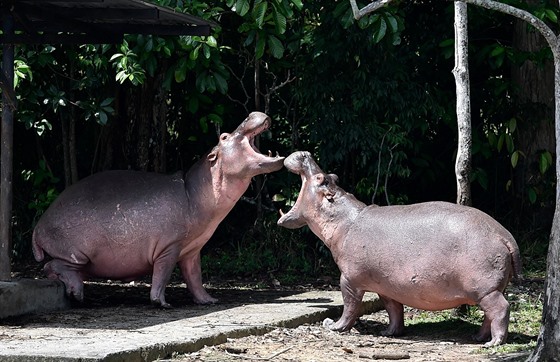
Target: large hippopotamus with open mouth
125	224
432	256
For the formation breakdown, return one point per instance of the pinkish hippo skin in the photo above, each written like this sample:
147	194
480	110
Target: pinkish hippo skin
431	256
123	225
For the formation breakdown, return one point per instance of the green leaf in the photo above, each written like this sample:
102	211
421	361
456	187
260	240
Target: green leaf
512	125
259	12
492	140
102	118
298	4
194	54
106	101
242	7
551	15
545	161
211	41
276	47
501	142
392	22
509	143
206	51
181	71
514	159
221	83
280	22
532	194
498	50
381	31
193	105
259	49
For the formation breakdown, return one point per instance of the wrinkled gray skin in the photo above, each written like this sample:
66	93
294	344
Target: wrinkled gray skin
431	256
126	224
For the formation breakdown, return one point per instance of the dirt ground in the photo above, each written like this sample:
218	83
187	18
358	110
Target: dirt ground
436	341
430	336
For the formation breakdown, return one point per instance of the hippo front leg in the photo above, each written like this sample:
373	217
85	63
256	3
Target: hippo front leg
352	299
192	274
161	274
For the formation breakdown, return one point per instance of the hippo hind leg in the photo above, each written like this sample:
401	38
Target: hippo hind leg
66	273
396	317
496	319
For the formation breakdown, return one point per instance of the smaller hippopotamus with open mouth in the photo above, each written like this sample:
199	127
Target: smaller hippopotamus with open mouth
126	224
432	256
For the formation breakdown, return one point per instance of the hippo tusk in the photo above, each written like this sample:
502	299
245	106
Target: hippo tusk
281	212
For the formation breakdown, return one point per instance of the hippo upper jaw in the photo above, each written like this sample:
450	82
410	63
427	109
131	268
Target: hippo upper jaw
302	163
253	126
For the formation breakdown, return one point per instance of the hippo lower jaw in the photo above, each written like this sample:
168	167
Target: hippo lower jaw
290	221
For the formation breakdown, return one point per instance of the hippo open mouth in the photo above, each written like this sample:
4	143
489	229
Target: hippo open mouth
255	124
303	164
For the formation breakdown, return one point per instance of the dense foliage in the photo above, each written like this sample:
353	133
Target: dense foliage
373	100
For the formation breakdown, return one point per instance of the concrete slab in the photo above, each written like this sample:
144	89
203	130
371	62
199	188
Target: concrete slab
146	333
24	296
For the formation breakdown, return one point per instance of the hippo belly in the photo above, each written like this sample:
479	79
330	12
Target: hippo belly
417	268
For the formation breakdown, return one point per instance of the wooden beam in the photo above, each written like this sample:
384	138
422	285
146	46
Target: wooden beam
62	38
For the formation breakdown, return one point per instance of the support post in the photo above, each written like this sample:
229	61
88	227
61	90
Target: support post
6	151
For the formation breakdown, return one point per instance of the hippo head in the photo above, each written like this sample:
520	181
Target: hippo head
236	154
318	190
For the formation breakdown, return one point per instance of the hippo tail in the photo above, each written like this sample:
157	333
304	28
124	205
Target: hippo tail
37	249
515	258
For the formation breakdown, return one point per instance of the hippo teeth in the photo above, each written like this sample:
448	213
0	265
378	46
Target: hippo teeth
281	212
269	153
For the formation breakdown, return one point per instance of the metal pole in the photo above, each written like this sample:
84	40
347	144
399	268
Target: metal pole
6	151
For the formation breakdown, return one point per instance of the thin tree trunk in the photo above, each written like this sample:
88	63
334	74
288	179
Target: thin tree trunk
548	343
258	179
463	106
66	150
72	146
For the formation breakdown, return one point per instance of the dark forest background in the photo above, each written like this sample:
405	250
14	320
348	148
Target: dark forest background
374	101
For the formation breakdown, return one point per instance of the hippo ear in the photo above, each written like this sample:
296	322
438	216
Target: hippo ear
334	178
213	155
323	183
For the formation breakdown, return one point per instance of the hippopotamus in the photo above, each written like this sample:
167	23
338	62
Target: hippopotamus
431	256
122	225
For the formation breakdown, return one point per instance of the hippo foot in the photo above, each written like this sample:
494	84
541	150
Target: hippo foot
391	332
161	304
490	342
339	326
206	300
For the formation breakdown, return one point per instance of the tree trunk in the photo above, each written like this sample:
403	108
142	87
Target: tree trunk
147	126
463	107
258	179
548	343
535	125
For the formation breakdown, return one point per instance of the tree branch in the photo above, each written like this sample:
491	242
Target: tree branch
540	25
360	13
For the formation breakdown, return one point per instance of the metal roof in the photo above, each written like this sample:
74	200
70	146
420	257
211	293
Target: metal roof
94	21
